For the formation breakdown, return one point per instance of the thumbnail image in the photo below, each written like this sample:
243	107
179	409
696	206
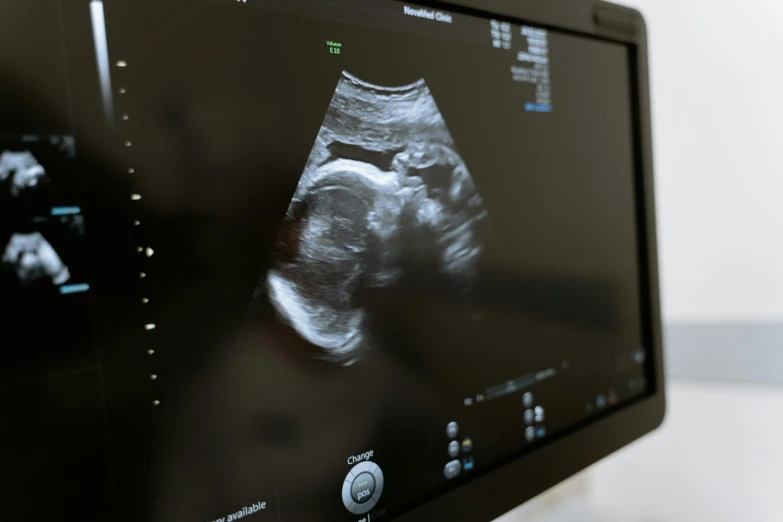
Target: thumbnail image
384	191
46	252
36	172
22	171
33	259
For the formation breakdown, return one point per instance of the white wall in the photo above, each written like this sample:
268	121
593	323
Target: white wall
717	87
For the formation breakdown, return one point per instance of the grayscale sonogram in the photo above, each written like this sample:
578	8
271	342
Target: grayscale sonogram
36	172
32	258
384	189
22	170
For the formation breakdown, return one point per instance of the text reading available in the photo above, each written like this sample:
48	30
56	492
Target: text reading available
246	511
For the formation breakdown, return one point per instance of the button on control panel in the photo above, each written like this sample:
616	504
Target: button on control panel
362	487
452	469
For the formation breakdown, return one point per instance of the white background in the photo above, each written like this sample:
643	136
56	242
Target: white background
717	89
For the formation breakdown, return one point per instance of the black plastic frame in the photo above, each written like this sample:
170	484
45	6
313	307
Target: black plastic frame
503	488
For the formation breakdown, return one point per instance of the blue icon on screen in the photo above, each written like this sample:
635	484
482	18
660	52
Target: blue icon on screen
538	107
66	211
74	289
467	463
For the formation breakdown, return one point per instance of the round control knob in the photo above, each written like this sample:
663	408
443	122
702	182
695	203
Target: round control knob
362	488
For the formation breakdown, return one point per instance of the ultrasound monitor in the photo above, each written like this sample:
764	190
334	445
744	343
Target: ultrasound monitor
320	260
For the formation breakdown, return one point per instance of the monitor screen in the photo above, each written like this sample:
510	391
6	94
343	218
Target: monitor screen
305	260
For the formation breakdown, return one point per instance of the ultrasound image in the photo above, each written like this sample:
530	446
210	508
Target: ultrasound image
36	172
32	258
23	170
383	189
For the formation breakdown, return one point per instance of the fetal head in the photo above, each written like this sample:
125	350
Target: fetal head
334	222
440	168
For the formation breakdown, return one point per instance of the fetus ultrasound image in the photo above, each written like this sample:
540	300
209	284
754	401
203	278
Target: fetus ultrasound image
36	172
33	259
43	253
384	188
22	170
